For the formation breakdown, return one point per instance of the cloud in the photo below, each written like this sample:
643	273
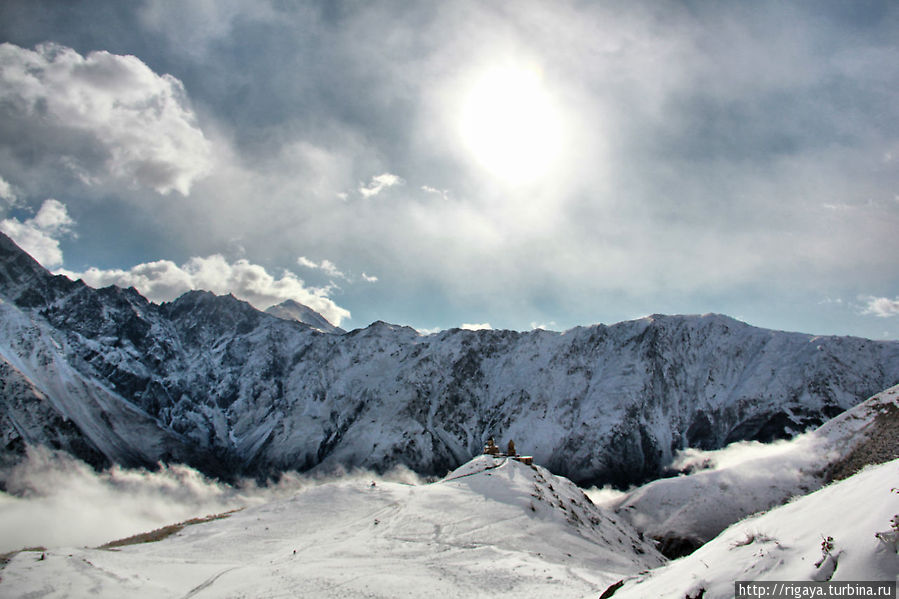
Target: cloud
326	266
163	280
443	193
195	26
430	331
484	326
55	500
6	192
883	307
703	145
39	236
102	117
606	497
743	452
379	183
369	278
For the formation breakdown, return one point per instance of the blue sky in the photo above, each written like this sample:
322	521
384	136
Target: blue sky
437	164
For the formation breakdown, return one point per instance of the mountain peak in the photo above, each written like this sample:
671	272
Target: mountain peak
294	310
23	280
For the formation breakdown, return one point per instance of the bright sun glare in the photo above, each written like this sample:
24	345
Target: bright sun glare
510	124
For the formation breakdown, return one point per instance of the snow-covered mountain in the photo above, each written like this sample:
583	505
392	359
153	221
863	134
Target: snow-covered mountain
210	381
493	527
789	543
726	485
292	310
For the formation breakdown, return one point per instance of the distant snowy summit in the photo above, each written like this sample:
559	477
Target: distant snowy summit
293	310
212	382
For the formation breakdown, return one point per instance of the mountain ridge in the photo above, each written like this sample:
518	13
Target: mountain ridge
234	391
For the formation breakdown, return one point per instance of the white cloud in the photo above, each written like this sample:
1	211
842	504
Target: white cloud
544	326
882	306
163	280
325	266
827	301
54	500
443	193
379	183
304	261
103	116
39	236
6	192
369	278
431	331
484	326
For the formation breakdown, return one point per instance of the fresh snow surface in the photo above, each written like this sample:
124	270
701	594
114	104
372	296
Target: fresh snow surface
786	543
493	527
749	477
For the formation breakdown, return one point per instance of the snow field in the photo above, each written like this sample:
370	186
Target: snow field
483	530
785	543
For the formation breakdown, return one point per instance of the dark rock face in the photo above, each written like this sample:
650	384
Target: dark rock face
211	381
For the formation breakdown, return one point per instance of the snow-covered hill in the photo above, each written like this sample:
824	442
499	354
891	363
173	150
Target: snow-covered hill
494	527
786	543
729	484
213	382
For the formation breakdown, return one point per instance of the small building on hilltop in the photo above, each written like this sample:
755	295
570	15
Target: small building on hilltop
492	449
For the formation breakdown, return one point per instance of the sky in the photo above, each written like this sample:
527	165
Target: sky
481	163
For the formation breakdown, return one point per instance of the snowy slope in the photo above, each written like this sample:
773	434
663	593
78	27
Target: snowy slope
292	310
686	511
493	527
785	543
45	396
232	390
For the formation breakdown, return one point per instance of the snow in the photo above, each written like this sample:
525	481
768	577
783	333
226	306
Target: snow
209	380
785	543
493	527
214	383
747	477
293	310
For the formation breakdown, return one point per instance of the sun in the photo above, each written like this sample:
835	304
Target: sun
510	125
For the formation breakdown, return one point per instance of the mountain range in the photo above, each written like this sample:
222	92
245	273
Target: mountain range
210	381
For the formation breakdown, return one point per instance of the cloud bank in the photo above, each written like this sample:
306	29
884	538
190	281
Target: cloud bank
55	500
163	280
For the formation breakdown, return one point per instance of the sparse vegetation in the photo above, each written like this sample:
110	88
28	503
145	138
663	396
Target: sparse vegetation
879	444
5	557
890	538
751	537
826	550
166	531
